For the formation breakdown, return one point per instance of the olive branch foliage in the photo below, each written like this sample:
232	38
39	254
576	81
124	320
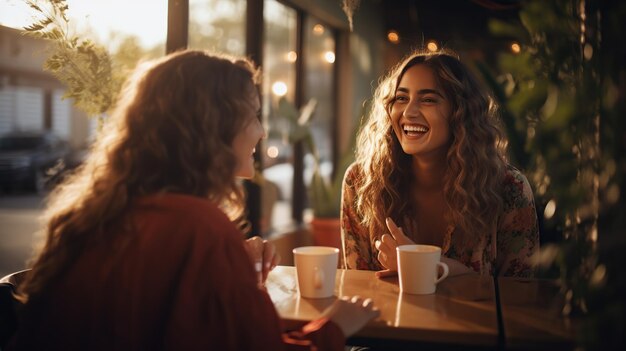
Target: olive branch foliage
84	67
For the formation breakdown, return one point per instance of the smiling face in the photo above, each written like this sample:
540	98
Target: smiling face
419	114
248	137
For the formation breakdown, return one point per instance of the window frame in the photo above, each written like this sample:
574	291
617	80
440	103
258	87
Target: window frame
177	38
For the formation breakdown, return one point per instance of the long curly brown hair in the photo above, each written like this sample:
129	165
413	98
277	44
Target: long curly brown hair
171	131
475	160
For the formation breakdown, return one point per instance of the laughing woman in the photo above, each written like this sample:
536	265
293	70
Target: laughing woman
431	159
144	249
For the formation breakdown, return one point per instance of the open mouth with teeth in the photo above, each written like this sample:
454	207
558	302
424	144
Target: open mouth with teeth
414	129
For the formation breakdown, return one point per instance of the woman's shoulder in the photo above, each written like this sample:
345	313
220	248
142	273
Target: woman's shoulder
516	188
184	223
513	175
177	202
353	173
185	209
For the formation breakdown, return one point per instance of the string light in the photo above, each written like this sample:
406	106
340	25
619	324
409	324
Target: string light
432	46
272	152
318	29
329	56
516	48
279	88
393	37
292	56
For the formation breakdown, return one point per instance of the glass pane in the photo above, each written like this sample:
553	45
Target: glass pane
319	46
112	24
279	78
218	25
108	22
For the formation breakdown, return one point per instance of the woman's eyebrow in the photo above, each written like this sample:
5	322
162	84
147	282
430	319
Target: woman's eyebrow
421	92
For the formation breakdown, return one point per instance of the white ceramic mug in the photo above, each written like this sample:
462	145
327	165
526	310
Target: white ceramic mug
418	268
316	267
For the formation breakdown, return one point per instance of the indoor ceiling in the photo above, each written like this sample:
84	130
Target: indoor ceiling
461	25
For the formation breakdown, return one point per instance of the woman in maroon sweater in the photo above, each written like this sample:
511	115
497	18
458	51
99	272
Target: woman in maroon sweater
143	243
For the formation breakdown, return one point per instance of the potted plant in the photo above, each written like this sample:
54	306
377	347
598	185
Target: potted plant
324	191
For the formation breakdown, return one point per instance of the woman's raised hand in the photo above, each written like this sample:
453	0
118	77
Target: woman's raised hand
387	248
263	256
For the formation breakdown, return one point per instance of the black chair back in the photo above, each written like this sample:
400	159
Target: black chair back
9	306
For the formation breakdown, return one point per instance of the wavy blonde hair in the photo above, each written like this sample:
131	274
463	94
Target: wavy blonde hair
171	131
475	160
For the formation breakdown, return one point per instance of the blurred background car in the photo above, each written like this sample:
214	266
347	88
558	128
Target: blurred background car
33	160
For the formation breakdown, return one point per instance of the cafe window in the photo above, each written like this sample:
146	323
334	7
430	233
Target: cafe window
103	22
217	25
319	50
298	65
279	81
126	39
129	41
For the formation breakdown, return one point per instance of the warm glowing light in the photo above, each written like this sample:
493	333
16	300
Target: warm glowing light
393	37
516	48
292	56
588	51
100	18
612	194
598	276
329	56
550	209
432	46
272	152
279	88
318	29
594	234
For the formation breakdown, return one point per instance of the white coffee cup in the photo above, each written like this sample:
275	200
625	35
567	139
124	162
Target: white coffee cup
418	268
316	267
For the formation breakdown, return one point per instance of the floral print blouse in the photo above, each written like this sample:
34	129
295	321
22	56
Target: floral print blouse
508	248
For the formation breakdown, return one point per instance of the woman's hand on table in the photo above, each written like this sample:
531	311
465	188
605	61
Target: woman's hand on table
387	254
263	256
387	248
351	313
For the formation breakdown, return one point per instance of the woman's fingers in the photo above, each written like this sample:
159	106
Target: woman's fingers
355	299
386	273
387	251
387	246
263	256
365	302
254	247
275	260
369	303
382	258
388	241
397	233
268	256
352	313
393	228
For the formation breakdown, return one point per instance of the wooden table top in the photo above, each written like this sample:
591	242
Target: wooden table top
462	311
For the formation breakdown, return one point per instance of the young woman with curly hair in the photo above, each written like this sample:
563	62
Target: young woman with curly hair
142	249
431	158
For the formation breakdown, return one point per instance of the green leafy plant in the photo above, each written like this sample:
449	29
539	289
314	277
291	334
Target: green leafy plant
84	67
563	106
324	192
